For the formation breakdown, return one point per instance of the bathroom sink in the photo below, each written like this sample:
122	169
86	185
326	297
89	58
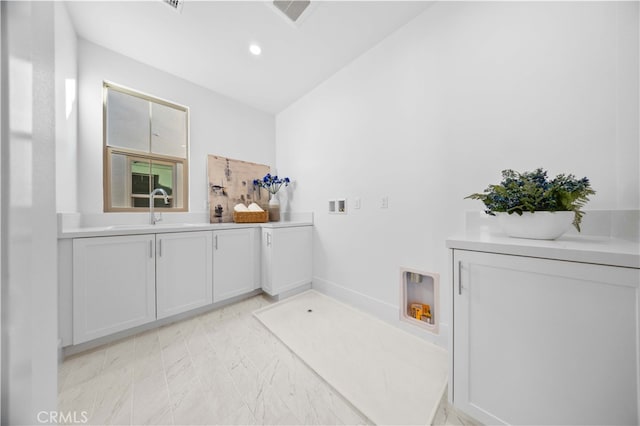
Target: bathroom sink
156	226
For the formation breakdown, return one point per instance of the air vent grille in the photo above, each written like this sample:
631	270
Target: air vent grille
292	9
175	4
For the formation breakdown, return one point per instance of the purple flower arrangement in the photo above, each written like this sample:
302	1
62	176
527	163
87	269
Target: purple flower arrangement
271	183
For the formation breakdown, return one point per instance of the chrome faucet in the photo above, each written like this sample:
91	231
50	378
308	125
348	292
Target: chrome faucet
152	217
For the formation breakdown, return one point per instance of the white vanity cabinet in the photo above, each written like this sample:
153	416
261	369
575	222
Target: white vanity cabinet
114	279
183	272
542	341
236	262
113	285
286	258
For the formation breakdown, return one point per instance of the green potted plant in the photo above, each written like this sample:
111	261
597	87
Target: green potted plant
556	203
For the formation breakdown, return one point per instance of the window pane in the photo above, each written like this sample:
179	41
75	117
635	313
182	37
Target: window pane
133	178
140	172
164	178
141	185
125	182
169	131
179	196
127	121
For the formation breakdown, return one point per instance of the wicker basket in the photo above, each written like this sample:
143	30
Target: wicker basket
251	217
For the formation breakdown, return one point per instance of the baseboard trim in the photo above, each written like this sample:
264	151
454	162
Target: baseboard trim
111	338
379	309
291	292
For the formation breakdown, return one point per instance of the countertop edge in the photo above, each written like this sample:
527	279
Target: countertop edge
602	251
144	229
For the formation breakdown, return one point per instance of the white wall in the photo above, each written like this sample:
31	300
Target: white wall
219	125
66	69
437	110
29	231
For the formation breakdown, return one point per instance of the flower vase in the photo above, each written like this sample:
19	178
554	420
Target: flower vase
274	209
540	225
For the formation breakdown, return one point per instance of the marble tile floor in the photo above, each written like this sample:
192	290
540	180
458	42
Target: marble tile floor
222	367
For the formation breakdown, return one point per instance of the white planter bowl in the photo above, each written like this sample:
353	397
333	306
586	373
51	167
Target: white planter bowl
537	225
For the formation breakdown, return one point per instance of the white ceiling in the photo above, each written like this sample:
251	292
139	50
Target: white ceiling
208	42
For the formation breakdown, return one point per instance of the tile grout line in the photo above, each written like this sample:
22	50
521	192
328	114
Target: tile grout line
262	380
229	319
233	381
132	386
98	377
191	360
166	382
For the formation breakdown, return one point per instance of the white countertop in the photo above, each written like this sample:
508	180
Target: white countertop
104	231
573	248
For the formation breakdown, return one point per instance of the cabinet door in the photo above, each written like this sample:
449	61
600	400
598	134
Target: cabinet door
183	271
234	263
113	285
541	341
288	258
266	255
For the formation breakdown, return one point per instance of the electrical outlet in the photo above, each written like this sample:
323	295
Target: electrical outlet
356	203
384	203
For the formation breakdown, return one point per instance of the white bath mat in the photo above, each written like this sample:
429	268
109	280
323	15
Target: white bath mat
391	376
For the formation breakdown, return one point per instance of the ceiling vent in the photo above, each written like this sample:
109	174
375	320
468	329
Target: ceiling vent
292	9
175	4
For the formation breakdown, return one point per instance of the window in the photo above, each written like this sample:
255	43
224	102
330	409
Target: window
146	145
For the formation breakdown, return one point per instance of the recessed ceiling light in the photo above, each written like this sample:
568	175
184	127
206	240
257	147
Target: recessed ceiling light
255	49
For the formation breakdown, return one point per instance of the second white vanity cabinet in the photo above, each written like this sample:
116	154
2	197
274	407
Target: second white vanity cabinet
113	285
286	258
183	272
543	341
235	262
